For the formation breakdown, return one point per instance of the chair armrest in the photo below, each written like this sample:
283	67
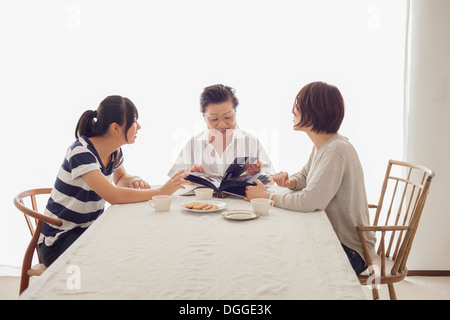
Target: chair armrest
372	206
381	249
34	214
381	228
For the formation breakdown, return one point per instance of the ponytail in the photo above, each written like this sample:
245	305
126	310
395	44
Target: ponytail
85	124
113	109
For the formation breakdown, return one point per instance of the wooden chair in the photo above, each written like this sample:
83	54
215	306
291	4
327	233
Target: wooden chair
35	230
400	206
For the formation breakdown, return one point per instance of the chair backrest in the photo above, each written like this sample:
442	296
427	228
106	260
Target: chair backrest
32	213
403	195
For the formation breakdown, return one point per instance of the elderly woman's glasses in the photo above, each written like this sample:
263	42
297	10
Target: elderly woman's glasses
214	119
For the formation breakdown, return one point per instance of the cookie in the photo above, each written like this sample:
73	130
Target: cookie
191	205
208	207
200	206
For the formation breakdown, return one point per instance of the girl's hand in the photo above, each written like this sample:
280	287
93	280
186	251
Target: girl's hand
174	183
138	183
281	179
197	168
258	191
126	180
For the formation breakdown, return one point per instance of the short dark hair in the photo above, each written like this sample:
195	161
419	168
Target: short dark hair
217	93
321	106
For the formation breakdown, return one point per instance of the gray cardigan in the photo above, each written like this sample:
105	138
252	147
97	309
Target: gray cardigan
333	181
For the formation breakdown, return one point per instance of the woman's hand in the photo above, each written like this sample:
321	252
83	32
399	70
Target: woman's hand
258	191
174	183
197	168
282	179
255	167
126	180
138	183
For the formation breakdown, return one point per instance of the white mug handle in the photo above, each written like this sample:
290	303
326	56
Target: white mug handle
272	203
152	204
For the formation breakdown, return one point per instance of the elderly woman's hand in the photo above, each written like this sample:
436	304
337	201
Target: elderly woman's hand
254	167
197	168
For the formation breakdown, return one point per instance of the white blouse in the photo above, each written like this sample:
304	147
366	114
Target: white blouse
199	150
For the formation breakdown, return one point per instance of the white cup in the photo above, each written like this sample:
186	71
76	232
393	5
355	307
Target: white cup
261	206
203	193
161	202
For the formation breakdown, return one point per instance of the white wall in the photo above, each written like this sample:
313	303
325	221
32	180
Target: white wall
60	57
428	141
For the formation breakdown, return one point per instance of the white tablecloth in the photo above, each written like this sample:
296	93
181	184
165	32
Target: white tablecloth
134	252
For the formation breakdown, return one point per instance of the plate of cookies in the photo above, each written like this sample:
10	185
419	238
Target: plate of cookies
204	206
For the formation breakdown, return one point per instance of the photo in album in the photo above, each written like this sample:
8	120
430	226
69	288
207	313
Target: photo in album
234	181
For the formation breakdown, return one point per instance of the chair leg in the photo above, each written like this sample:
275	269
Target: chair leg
375	294
392	294
24	281
28	258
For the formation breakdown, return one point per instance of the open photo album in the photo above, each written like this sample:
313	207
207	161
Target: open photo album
234	181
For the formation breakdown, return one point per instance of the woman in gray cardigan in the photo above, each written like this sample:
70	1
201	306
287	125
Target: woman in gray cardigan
332	180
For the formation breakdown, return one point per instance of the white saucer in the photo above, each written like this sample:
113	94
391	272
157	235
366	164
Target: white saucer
239	215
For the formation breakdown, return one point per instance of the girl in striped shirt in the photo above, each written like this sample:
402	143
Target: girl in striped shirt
93	172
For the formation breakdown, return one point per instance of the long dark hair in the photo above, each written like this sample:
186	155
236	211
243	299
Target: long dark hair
113	109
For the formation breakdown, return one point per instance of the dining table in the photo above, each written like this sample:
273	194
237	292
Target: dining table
133	251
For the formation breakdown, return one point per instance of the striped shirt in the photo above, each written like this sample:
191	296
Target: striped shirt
72	200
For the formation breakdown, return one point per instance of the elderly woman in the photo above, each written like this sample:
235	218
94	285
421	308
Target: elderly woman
332	179
213	150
